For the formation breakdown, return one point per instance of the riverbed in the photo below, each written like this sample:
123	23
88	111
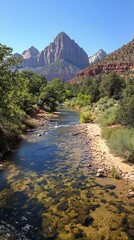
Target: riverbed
50	191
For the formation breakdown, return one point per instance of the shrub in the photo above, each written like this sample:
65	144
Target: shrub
108	117
115	173
86	117
107	132
121	141
83	100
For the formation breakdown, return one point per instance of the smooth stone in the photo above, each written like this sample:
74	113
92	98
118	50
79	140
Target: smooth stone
114	225
62	206
99	175
100	170
131	193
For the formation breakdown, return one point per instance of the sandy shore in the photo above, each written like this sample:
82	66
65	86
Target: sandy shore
101	156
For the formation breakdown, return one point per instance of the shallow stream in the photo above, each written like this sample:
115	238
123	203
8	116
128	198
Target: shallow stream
48	191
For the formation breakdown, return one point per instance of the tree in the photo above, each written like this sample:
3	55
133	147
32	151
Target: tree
112	86
126	111
51	95
36	81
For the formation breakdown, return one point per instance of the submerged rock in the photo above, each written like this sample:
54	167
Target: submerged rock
78	233
85	220
110	186
88	221
62	206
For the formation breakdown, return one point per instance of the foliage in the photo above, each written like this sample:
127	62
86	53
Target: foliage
126	111
86	117
18	91
51	95
36	81
83	100
121	141
108	117
115	173
90	86
112	86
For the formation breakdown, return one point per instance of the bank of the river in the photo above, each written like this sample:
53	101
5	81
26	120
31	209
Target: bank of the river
101	156
34	120
49	189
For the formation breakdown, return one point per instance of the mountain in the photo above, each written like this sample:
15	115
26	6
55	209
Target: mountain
62	57
65	48
120	61
97	56
59	69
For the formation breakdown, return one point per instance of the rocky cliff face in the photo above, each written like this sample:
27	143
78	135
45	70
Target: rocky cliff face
65	48
96	57
106	68
62	48
28	57
31	52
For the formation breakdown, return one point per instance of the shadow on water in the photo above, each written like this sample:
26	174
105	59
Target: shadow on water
49	192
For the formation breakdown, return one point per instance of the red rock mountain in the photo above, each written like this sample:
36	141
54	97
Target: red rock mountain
119	61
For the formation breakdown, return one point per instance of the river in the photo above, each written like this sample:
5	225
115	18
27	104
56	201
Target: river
48	191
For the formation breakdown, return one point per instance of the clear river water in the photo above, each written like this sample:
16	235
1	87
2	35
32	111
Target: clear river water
48	191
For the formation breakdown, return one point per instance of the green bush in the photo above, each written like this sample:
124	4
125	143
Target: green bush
83	100
105	103
108	117
121	141
86	117
115	173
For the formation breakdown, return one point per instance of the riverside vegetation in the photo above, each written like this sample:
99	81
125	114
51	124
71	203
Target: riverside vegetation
60	196
21	93
107	99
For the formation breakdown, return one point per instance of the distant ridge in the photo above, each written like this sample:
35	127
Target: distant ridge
120	61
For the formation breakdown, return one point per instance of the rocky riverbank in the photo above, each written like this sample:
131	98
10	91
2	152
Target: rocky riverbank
101	157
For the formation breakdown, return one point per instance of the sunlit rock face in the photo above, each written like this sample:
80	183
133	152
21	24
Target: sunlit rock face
65	48
48	62
96	57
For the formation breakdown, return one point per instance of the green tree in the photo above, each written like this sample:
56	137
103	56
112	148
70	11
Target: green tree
126	111
83	100
51	95
112	86
36	81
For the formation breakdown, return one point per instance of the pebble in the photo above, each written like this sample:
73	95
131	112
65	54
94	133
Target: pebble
131	193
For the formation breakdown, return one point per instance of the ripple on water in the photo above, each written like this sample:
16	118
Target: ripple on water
51	193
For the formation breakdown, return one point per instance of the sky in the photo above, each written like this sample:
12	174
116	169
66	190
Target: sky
93	24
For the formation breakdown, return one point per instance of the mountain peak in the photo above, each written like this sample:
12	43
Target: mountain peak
30	52
62	34
97	56
65	48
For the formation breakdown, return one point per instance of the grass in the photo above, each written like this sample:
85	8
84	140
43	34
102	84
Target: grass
121	141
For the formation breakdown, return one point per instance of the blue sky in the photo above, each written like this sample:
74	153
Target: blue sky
93	24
